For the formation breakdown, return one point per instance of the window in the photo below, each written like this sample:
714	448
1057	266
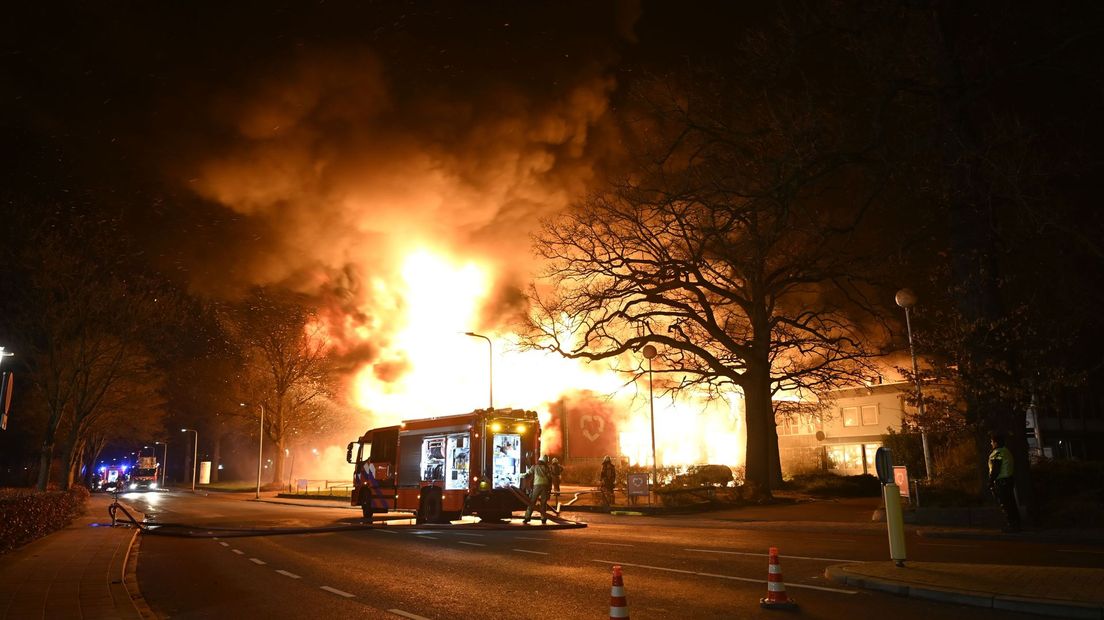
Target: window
870	415
850	416
845	459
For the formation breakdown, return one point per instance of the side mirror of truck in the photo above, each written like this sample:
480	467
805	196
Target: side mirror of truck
349	453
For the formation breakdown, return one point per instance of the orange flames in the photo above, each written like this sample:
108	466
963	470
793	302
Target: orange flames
429	367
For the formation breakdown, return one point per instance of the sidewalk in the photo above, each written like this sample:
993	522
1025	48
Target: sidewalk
76	572
1046	590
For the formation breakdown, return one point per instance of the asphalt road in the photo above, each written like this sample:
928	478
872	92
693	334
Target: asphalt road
674	567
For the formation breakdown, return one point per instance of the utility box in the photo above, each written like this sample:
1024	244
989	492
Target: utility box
205	472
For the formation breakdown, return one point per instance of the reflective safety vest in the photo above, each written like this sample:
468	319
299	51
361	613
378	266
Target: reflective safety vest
1001	457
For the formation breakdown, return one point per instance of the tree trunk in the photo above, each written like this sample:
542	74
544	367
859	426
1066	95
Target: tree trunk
757	456
45	461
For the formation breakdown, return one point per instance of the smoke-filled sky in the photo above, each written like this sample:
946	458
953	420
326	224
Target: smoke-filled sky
298	143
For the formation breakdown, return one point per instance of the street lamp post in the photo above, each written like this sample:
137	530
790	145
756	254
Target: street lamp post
906	299
165	465
195	454
650	352
490	367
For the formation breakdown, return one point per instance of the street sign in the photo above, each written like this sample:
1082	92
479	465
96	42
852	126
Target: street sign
900	478
638	484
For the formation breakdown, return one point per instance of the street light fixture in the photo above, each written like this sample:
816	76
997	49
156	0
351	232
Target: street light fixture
906	299
260	450
165	465
490	367
195	454
649	352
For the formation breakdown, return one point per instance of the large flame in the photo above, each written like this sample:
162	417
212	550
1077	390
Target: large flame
431	366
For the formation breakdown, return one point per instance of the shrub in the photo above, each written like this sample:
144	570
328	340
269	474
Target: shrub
26	515
1069	493
826	484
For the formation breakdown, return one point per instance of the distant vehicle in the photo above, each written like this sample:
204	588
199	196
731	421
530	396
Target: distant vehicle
442	468
111	478
144	476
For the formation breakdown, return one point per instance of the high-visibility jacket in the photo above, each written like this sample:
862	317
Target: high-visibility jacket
1000	464
540	473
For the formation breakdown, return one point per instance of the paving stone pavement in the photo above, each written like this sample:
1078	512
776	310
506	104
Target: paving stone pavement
76	572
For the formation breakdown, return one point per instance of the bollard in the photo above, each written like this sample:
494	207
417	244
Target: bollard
895	522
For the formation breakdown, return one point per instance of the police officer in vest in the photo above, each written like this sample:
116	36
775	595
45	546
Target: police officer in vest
1002	482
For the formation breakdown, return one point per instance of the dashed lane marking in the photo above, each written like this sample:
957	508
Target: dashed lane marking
464	542
530	538
338	592
224	544
258	561
429	537
729	577
533	552
379	529
406	614
612	544
287	574
763	555
468	534
238	551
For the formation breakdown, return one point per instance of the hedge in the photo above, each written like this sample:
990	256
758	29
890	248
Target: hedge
26	515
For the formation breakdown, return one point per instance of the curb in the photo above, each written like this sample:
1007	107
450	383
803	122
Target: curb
1042	536
1044	607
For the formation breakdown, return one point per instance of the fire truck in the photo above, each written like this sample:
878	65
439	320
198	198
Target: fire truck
144	475
445	467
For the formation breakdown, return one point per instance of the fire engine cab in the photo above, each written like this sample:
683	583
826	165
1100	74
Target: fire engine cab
445	467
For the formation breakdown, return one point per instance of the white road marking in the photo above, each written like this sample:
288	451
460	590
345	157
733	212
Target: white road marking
529	538
287	574
258	561
385	531
533	552
238	551
763	555
406	614
612	544
947	545
1079	551
429	537
224	544
730	577
468	534
464	542
338	592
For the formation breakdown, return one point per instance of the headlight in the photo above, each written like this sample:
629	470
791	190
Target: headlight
153	485
133	485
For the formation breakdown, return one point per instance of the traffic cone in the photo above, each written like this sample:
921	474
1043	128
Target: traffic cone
776	590
619	608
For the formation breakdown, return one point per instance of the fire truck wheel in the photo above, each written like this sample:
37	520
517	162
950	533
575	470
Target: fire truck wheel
429	506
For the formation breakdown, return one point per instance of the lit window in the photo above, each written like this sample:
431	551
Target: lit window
850	416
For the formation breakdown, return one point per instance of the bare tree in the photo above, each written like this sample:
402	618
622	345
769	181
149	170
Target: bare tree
732	244
287	368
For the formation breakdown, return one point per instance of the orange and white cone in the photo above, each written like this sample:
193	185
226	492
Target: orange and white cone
619	608
776	589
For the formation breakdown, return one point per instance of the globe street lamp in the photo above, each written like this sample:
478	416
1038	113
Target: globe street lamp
649	352
260	450
490	367
195	454
165	466
906	299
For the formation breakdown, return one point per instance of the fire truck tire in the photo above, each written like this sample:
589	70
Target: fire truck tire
429	506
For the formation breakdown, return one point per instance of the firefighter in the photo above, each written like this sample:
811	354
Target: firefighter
557	474
608	480
1002	482
542	485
